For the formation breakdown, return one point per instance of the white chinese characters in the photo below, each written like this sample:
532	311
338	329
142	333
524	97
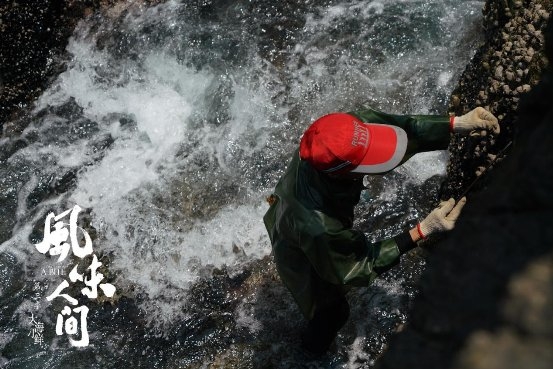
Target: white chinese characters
36	330
55	243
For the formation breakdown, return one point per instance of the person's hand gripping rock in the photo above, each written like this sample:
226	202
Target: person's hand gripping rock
442	218
476	122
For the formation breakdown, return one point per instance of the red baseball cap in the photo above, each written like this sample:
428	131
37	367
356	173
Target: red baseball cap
339	143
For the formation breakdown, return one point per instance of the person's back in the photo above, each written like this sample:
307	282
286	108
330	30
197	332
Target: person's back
317	252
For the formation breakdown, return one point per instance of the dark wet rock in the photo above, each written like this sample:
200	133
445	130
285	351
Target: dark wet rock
65	182
51	185
33	36
486	293
69	110
41	192
127	122
11	147
10	183
100	144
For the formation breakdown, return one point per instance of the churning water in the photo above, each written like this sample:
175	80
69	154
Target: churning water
169	127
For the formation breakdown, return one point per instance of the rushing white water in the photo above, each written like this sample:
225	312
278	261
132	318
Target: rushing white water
176	126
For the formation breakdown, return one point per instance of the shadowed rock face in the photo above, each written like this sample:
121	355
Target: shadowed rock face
486	294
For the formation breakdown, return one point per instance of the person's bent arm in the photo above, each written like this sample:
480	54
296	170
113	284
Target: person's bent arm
432	132
425	132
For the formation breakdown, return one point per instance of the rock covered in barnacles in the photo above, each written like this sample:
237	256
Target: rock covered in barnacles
504	69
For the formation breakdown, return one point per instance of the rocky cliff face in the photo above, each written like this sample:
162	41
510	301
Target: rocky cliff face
487	290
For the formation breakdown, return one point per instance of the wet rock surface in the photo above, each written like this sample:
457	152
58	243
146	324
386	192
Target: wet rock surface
33	36
487	287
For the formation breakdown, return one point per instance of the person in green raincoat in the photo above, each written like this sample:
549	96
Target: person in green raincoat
317	253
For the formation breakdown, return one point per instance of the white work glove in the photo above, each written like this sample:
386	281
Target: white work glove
478	120
442	218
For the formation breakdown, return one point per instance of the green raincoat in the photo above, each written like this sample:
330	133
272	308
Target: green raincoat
316	251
